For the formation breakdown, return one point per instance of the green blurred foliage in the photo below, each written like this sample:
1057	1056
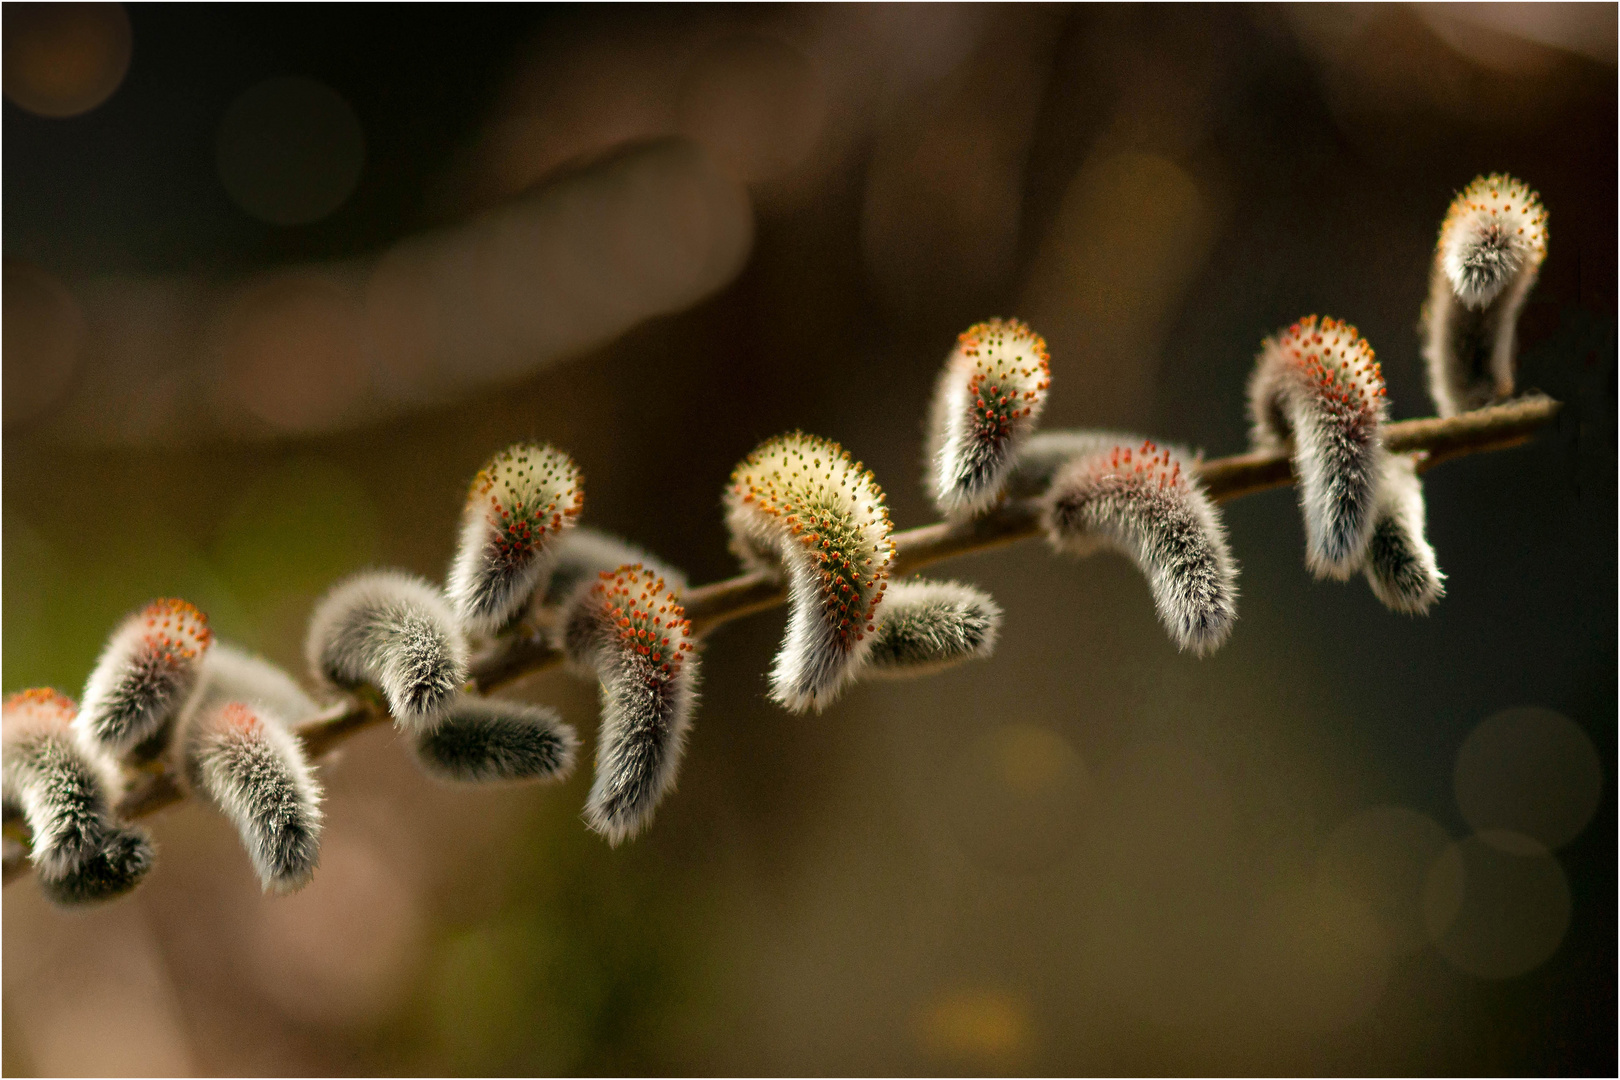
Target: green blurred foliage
64	594
281	542
590	965
294	531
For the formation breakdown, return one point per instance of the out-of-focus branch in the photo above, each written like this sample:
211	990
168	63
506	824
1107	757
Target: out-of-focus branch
709	606
295	350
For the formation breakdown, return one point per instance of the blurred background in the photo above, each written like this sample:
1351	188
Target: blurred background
278	280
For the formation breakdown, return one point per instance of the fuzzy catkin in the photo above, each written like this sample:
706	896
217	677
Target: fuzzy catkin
802	504
1487	258
64	793
1400	565
483	740
928	626
238	749
519	503
630	631
143	676
249	766
988	399
393	631
1141	501
1317	387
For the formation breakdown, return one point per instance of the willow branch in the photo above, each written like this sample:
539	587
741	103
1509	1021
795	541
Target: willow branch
525	652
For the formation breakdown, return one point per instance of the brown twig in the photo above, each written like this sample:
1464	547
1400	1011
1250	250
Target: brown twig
509	658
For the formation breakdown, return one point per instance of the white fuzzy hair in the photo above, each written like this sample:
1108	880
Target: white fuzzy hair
1317	387
988	398
629	630
800	503
1490	250
238	749
519	503
1141	501
485	740
1400	564
928	626
64	791
143	676
396	632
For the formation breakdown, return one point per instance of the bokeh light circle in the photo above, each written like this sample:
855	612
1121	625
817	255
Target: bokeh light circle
1021	798
1314	959
1496	905
1381	857
980	1028
1529	771
62	60
290	150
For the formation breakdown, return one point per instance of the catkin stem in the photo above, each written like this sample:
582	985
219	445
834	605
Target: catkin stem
509	658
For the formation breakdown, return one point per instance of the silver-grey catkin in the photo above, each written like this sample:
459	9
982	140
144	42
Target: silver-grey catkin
1490	250
394	631
483	740
143	677
1141	501
1317	388
238	750
63	791
988	399
630	630
927	626
1400	565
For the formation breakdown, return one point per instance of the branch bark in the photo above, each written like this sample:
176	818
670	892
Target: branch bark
516	655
